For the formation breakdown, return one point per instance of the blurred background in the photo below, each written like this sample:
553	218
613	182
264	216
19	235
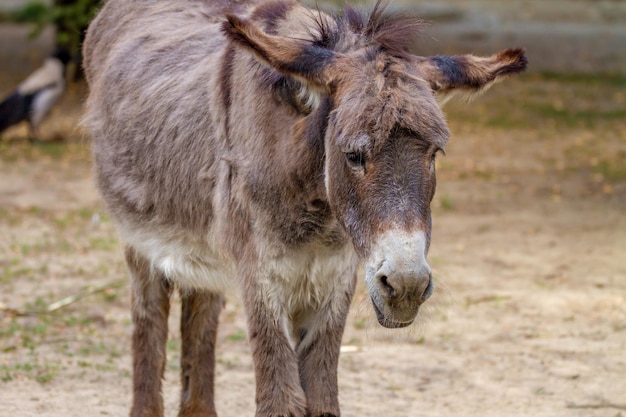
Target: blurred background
528	251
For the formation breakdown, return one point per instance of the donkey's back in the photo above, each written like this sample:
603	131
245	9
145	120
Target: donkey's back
154	113
148	69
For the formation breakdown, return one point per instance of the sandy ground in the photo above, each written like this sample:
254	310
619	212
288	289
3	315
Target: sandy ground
529	254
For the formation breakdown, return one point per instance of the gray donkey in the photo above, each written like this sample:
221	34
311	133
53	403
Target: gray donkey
268	147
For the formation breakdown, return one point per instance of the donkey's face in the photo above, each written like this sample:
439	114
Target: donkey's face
382	139
384	130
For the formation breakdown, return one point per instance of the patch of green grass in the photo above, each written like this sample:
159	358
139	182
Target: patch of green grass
92	347
237	336
619	327
46	373
536	112
25	248
35	211
354	341
97	366
55	150
575	117
446	202
32	11
173	345
42	373
10	274
227	363
24	151
608	79
61	245
360	323
10	330
505	121
77	321
105	367
420	341
612	170
65	246
39	304
114	354
74	217
497	301
173	363
104	269
62	222
550	99
84	364
11	219
105	244
110	296
85	213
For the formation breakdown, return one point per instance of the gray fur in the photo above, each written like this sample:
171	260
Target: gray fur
267	147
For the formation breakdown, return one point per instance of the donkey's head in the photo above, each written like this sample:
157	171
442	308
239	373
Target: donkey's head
384	128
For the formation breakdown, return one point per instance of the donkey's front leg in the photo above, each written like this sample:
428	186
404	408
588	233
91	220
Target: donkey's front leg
318	354
198	326
150	309
278	389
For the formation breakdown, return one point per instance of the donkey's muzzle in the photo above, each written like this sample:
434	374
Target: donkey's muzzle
396	306
399	278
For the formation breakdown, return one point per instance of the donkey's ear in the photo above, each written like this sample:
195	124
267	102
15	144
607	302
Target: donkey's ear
300	58
468	74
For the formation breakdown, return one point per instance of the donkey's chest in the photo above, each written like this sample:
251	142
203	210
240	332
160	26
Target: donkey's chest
310	277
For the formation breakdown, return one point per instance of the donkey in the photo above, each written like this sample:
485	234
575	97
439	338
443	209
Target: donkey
269	147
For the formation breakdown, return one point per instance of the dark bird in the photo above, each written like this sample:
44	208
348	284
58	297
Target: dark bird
36	95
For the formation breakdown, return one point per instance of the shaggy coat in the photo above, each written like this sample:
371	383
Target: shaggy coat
268	147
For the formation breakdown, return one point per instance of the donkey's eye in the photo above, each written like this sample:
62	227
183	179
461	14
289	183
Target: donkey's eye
356	158
433	156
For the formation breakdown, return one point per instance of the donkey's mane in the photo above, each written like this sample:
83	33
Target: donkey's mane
392	31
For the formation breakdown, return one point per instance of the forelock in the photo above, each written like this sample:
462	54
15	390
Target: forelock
390	102
393	31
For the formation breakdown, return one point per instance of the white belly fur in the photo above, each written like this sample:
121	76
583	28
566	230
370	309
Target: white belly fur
189	263
314	275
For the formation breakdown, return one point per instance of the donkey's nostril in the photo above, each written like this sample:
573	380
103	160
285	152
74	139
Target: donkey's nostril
429	289
387	286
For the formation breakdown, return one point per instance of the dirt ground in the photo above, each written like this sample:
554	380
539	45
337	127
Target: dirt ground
529	255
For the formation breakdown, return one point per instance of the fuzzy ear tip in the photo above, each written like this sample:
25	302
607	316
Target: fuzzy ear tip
514	60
